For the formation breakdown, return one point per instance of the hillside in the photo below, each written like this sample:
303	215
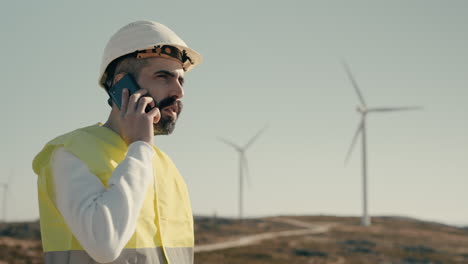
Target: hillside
293	239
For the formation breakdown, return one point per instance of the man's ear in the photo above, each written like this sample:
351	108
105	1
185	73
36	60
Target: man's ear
117	77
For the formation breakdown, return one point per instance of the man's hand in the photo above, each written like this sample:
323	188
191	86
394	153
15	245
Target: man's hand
134	123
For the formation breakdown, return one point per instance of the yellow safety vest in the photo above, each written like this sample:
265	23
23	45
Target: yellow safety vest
164	230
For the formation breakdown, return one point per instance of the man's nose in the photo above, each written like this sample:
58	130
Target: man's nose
177	90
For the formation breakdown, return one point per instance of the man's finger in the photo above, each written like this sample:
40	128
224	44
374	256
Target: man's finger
143	102
134	98
155	114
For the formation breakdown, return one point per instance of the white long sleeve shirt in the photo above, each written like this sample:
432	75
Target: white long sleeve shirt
103	220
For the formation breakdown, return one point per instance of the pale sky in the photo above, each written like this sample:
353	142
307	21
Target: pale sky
275	62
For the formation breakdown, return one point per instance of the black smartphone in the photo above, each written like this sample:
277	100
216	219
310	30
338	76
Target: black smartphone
115	92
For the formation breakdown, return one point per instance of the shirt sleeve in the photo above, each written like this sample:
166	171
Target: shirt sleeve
103	220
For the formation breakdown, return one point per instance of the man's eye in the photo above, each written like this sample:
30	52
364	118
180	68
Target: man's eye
162	76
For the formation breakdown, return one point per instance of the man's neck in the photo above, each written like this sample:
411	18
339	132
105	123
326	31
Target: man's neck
112	122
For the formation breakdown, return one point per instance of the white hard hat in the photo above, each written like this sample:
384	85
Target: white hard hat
145	36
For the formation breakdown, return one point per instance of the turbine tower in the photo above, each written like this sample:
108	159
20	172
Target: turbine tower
243	164
5	190
364	110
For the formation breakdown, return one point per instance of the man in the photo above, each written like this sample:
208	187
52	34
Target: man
106	193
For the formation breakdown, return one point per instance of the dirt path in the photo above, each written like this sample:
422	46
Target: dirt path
252	239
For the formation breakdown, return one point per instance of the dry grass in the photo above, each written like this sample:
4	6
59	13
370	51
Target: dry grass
19	251
210	230
388	240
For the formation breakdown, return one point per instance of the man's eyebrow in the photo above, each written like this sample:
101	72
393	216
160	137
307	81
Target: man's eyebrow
172	74
165	72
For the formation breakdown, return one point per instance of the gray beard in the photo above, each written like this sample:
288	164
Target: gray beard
165	126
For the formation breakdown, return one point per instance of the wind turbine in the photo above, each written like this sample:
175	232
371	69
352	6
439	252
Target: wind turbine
243	164
5	191
364	110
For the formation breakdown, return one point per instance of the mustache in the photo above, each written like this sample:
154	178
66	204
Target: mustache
168	101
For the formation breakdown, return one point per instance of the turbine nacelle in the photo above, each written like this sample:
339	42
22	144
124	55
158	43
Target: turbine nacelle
362	109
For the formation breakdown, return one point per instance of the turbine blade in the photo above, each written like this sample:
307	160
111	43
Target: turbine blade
353	81
394	109
246	170
254	138
355	137
227	142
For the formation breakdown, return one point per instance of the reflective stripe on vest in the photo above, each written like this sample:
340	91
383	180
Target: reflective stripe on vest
128	256
164	229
